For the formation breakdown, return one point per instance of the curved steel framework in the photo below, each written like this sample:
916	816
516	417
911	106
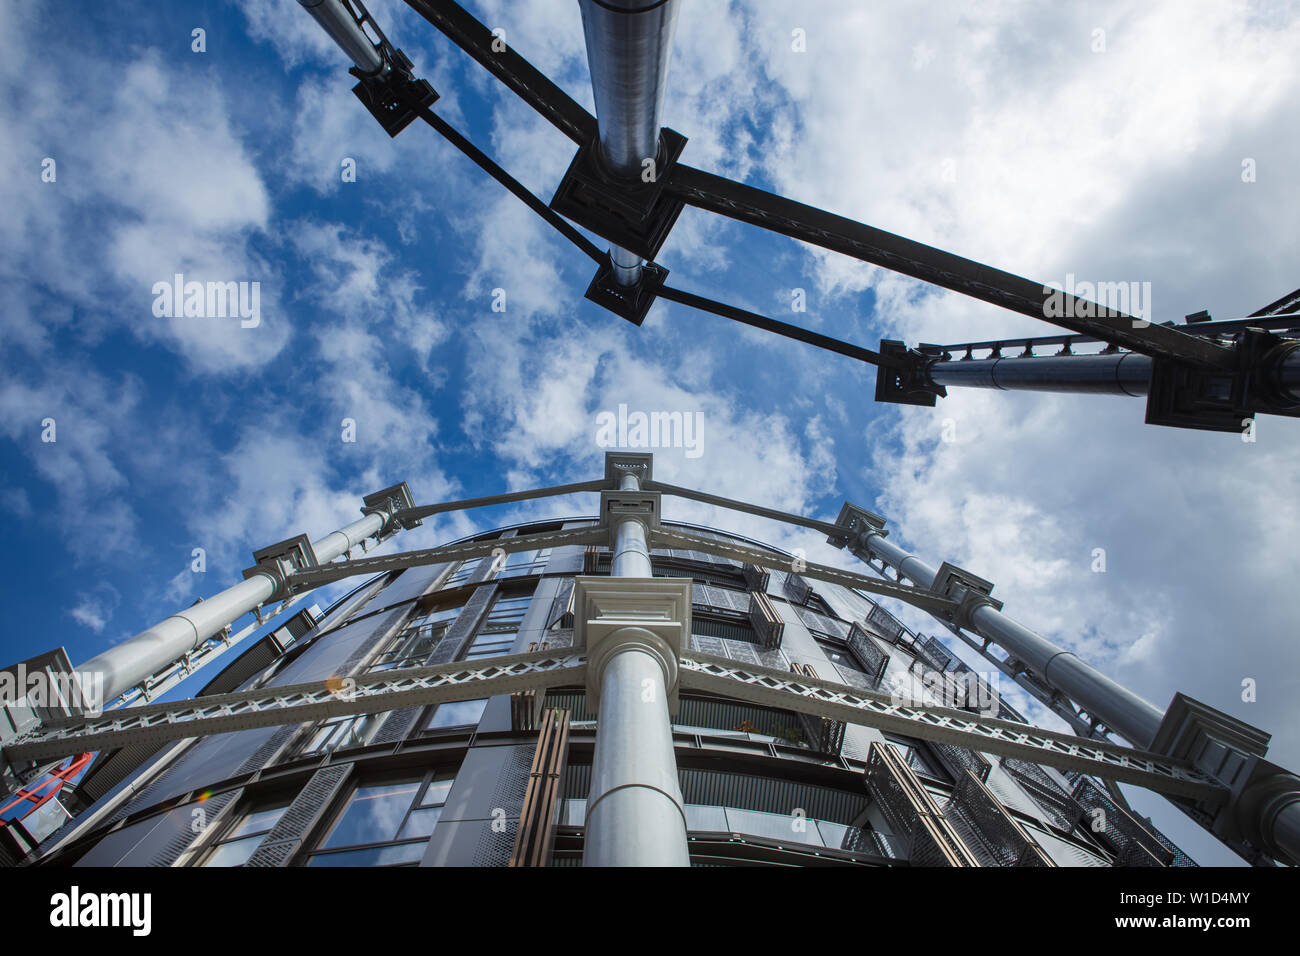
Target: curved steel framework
1207	763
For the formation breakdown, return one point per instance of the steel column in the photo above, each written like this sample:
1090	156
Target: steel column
1130	716
138	658
628	42
339	23
635	814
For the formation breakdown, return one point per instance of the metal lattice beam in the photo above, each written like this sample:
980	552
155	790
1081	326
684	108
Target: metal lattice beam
761	685
818	227
451	552
298	703
917	597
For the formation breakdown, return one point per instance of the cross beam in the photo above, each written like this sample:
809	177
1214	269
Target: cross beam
773	688
339	570
297	703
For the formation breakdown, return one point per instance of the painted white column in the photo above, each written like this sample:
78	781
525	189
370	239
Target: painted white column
635	815
136	659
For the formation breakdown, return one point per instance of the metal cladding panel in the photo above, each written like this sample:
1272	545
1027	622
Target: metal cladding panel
843	602
210	760
255	659
110	769
297	822
146	836
746	792
795	640
462	630
410	584
566	560
331	655
750	792
171	849
1011	795
820	622
349	606
489	788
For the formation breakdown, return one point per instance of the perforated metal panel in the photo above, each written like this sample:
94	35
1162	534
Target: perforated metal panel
885	624
910	811
991	833
1120	832
957	760
396	725
820	622
462	631
495	844
872	658
306	810
184	838
726	599
1062	810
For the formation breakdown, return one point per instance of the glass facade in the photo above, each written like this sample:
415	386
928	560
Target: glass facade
374	788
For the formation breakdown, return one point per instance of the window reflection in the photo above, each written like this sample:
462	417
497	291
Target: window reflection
386	823
244	833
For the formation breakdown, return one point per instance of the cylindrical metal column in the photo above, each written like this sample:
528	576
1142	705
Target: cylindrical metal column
635	814
136	659
343	30
628	43
1130	716
1123	374
1126	373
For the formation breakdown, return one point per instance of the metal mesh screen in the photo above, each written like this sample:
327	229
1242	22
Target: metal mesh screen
1063	811
986	828
871	657
885	624
1132	843
960	759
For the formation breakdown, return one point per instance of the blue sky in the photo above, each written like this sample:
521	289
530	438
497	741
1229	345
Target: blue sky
998	131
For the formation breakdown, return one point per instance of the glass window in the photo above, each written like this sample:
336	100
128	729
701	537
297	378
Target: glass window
523	563
917	757
241	837
462	573
460	713
329	735
414	644
385	823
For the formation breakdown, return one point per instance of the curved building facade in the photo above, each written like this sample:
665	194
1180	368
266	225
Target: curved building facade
504	780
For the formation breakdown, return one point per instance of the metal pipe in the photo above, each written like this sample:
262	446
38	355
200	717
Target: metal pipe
136	659
342	27
635	813
1126	373
1127	714
628	44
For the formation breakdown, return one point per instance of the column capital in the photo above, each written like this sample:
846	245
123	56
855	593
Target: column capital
859	524
389	503
616	614
619	463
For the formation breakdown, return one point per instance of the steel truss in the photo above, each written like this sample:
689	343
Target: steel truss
538	670
1195	379
298	703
